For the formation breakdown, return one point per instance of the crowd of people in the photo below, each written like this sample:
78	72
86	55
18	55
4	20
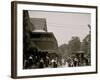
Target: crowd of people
73	61
43	62
47	62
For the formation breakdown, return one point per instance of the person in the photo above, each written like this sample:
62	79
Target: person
75	62
71	63
26	63
66	64
63	62
54	63
47	61
85	61
41	63
30	60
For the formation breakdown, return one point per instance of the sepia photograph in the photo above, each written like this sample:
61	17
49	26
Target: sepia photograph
56	39
53	39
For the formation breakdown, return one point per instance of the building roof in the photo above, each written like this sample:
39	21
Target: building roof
44	41
39	24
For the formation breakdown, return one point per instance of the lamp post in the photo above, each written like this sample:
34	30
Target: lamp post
89	26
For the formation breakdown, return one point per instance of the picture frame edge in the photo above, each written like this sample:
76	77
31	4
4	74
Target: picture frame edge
14	38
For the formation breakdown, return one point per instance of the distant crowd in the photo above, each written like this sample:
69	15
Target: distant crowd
33	62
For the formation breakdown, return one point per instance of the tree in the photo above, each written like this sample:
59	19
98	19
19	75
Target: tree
63	50
74	45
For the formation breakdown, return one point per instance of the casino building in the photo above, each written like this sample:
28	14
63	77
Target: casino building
42	42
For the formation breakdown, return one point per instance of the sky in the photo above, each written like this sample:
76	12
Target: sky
64	25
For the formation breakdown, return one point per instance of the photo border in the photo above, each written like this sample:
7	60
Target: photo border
14	37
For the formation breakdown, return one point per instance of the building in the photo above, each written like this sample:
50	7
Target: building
44	41
38	42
